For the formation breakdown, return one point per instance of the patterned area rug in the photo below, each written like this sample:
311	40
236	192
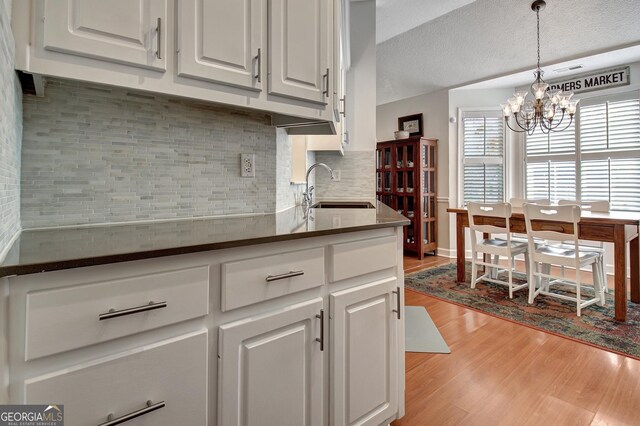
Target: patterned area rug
596	326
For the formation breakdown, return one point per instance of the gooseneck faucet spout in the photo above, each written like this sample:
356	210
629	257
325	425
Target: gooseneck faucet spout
308	194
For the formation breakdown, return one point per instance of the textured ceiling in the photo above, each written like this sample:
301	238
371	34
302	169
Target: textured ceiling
394	17
492	38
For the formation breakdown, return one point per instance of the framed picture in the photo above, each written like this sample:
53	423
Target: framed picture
411	124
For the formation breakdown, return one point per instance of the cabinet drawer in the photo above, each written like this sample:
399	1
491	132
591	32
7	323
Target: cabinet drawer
361	257
250	281
173	371
72	317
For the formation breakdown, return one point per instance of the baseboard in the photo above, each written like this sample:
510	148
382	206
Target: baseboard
444	252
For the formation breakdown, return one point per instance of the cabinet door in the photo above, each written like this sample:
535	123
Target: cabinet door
172	374
300	36
270	369
131	32
364	358
222	41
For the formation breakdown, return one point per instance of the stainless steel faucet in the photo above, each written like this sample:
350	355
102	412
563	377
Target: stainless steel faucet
308	194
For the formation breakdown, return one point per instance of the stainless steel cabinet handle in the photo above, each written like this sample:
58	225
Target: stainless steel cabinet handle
141	412
326	81
321	338
159	35
283	276
344	105
259	64
397	293
122	312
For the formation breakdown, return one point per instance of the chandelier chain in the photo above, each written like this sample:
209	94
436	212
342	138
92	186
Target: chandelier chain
538	30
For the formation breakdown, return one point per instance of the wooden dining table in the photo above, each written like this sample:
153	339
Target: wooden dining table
619	228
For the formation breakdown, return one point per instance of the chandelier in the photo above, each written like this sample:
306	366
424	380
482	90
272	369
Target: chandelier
548	109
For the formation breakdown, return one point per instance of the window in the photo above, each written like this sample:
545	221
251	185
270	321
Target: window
600	161
551	165
483	156
610	151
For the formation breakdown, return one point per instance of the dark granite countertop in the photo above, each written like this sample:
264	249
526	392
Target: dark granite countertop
65	248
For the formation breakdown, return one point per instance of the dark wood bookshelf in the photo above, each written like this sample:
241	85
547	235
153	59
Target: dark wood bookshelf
406	180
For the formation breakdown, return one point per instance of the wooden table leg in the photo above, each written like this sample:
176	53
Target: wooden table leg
634	262
620	272
460	249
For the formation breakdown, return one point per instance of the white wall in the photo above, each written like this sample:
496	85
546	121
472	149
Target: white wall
357	166
10	134
434	109
361	78
437	108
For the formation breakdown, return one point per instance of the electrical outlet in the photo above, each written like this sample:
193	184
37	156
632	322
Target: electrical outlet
247	165
336	175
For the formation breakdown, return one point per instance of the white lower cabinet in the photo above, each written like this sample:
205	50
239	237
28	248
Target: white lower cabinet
167	380
364	355
270	368
294	333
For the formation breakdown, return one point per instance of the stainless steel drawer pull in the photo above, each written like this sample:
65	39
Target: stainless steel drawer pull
128	311
159	35
321	338
141	412
326	86
283	276
397	293
344	105
258	76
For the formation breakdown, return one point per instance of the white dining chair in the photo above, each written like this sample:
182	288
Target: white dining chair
559	224
519	202
601	206
493	218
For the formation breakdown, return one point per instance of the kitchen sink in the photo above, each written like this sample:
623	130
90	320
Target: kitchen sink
343	205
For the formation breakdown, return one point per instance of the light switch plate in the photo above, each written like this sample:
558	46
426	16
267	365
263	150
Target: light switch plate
247	165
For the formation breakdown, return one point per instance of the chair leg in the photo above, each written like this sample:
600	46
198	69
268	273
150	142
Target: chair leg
494	270
603	277
474	270
533	268
510	273
598	284
546	269
578	288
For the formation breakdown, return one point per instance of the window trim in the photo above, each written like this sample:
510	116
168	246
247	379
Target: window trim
506	140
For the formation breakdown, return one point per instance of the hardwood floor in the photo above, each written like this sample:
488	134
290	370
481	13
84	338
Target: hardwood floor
502	373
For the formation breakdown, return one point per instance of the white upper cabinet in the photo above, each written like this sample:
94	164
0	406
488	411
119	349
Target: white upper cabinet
131	32
272	56
222	41
300	36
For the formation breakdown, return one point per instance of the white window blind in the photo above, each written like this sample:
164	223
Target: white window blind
563	142
598	161
551	164
555	180
483	156
610	147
